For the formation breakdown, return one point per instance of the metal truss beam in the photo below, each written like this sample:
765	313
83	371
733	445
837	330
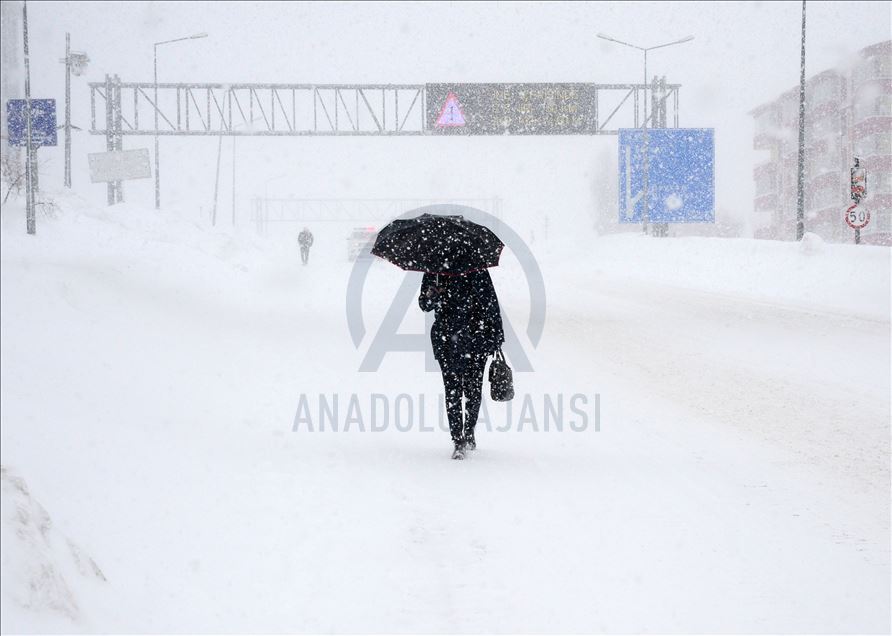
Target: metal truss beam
258	110
289	110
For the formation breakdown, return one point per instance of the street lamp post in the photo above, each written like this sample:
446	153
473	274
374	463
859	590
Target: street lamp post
30	217
800	166
75	63
157	160
644	215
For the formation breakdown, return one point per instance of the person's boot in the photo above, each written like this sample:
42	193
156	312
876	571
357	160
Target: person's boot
459	452
470	442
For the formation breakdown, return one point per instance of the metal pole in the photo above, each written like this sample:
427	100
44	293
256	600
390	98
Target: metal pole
30	220
109	131
800	177
233	181
67	110
646	162
119	136
217	179
35	175
157	161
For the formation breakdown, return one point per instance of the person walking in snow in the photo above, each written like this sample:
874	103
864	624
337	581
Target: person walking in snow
467	329
305	240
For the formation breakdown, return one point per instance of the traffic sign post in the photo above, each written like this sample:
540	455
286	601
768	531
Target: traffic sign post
857	218
42	124
681	175
858	182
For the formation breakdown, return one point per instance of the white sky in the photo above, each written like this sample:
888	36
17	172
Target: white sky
744	54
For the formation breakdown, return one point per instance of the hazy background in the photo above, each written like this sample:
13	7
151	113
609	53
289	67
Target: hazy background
744	53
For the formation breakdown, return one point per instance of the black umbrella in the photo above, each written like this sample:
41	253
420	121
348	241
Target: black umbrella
438	244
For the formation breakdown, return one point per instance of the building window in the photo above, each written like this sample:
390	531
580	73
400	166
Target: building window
824	127
825	197
765	123
879	183
878	67
823	91
869	104
873	144
883	221
791	113
823	159
765	184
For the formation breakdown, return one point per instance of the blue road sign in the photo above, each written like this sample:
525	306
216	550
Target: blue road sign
43	122
681	175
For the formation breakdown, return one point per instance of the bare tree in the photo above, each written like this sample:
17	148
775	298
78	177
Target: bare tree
12	173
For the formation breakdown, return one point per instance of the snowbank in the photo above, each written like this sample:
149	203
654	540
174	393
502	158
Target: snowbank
810	275
43	570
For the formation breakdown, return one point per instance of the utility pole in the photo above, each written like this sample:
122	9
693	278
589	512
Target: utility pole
114	139
157	159
217	179
800	176
74	63
67	110
233	181
644	215
658	117
30	218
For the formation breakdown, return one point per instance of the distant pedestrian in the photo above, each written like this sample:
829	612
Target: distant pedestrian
305	240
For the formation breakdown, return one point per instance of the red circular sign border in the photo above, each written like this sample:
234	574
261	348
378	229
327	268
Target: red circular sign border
856	227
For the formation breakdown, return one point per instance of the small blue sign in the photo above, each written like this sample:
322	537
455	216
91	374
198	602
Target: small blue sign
43	122
681	175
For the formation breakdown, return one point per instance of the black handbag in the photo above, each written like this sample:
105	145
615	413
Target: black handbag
501	379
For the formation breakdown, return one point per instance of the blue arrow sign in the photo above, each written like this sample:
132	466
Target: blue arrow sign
681	175
43	122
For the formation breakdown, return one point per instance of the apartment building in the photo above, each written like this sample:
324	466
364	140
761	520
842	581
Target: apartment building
848	114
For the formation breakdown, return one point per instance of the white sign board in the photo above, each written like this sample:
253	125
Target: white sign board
119	165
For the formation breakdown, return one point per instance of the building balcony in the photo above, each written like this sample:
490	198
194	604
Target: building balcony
766	141
766	167
878	202
823	176
877	164
825	108
872	124
864	78
766	203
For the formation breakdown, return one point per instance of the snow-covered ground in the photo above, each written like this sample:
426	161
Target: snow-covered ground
153	479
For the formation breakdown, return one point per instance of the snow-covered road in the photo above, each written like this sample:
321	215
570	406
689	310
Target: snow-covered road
739	482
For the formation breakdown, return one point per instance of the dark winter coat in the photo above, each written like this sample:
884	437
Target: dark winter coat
468	319
305	238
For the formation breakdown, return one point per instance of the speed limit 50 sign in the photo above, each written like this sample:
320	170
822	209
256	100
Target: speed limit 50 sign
857	217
